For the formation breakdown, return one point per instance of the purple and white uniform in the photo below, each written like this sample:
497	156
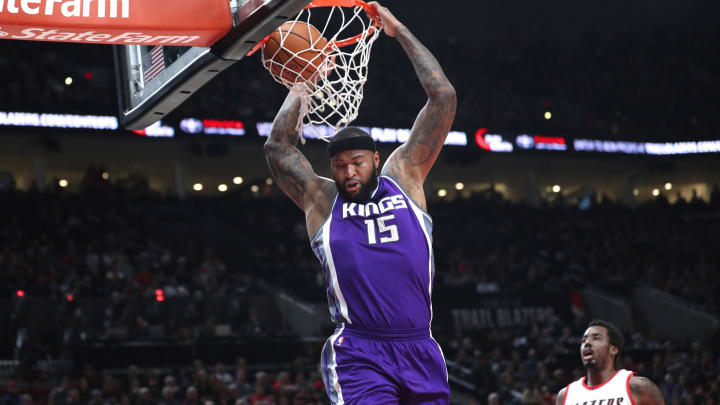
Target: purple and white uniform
378	264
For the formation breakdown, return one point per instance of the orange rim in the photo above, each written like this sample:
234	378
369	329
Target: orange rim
340	3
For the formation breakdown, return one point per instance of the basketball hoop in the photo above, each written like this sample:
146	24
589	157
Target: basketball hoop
333	94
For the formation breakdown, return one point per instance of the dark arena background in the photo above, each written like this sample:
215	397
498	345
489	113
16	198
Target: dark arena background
165	266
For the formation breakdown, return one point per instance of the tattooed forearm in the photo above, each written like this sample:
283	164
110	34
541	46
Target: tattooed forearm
288	166
413	161
426	66
283	129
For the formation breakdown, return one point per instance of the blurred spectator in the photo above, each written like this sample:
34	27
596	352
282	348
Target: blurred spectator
261	395
191	396
12	397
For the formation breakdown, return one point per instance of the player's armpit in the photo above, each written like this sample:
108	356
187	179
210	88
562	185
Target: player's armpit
645	392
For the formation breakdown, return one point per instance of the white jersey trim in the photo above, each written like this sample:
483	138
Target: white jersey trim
319	231
402	190
333	366
331	268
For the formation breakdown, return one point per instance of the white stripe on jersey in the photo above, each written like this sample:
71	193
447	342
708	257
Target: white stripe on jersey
333	366
331	269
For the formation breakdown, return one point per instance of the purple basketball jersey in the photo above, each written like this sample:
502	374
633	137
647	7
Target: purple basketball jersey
377	260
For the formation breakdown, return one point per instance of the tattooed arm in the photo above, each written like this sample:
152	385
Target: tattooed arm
411	162
645	392
292	171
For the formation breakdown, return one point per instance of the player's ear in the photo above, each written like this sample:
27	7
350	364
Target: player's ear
376	159
614	350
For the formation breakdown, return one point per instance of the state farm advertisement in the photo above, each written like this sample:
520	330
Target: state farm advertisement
129	22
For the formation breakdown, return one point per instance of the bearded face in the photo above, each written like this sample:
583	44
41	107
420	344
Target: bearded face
355	174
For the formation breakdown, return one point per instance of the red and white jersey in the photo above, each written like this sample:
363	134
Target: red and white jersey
615	391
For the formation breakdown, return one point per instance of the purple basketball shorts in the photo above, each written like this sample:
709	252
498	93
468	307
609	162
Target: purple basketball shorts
384	366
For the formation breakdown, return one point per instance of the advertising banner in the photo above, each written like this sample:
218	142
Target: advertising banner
128	22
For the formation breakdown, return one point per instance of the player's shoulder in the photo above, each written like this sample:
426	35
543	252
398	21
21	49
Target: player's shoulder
639	383
644	391
319	204
560	398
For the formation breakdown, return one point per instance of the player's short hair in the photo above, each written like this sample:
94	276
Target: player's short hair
614	336
350	138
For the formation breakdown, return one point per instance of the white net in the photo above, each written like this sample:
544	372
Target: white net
331	89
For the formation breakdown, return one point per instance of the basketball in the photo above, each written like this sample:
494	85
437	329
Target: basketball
294	51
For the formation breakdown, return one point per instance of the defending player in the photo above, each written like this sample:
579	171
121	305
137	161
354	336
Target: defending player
372	235
603	384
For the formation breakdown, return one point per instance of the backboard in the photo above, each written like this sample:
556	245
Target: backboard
154	80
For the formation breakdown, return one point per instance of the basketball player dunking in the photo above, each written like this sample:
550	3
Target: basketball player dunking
372	235
603	384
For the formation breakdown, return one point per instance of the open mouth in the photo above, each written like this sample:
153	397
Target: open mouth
352	185
587	354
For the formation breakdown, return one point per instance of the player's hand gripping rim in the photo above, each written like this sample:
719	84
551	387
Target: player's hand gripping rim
390	24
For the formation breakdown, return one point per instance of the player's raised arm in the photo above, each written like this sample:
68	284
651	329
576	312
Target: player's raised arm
411	162
291	169
645	392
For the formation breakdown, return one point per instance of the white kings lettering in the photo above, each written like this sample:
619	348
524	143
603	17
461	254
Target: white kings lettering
69	8
394	202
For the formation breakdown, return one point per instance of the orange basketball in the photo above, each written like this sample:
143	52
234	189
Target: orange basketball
300	53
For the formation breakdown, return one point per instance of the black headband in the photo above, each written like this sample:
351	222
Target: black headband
354	142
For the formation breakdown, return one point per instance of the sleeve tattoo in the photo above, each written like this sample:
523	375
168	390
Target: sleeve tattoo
287	164
432	125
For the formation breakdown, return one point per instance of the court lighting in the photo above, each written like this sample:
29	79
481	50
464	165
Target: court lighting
237	180
68	81
105	175
222	188
459	186
442	192
269	181
556	188
668	186
636	192
548	115
656	192
63	183
254	188
197	186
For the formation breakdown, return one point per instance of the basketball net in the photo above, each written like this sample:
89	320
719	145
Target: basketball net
333	94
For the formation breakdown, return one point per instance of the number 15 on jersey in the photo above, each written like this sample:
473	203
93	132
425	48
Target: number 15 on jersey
382	228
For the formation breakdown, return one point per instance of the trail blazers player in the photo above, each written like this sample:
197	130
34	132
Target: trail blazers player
603	383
